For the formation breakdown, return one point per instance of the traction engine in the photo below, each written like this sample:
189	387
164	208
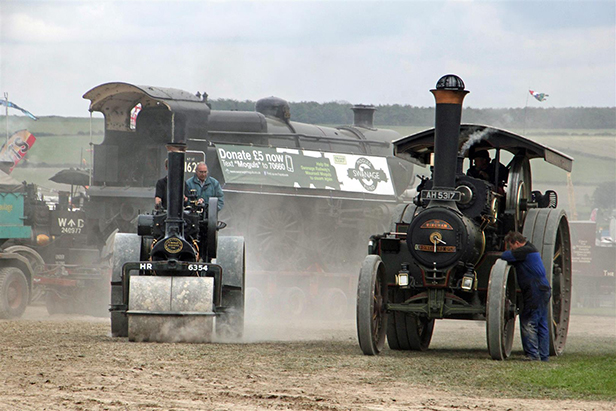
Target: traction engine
441	257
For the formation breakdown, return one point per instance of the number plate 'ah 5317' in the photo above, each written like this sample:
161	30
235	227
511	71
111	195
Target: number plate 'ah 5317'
442	195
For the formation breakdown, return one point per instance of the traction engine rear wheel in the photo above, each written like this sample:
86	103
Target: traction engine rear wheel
371	301
501	310
548	230
519	188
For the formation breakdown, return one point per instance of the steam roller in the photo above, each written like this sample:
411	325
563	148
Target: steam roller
176	280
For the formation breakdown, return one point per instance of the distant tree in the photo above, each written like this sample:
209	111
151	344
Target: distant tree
339	112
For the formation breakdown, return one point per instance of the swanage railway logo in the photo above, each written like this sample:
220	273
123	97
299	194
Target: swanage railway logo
368	176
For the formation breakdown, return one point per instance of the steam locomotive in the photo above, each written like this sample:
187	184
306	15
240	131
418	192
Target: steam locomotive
440	258
286	185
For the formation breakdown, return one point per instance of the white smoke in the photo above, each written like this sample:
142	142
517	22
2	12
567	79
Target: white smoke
476	137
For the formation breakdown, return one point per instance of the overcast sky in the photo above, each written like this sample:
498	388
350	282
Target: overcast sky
377	52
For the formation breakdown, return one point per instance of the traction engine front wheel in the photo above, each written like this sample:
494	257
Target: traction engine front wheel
371	302
501	310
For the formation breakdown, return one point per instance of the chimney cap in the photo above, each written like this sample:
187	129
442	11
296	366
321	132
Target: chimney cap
450	82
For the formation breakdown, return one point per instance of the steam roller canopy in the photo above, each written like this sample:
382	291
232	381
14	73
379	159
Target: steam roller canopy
170	309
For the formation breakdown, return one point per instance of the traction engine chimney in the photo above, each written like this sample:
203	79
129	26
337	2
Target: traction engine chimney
449	94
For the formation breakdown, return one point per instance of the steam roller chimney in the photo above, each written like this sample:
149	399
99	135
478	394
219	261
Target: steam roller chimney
449	94
175	189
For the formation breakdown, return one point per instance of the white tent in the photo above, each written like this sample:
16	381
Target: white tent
8	183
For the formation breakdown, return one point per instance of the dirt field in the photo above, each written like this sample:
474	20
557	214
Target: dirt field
71	363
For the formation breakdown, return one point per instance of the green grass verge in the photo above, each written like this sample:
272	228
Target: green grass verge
586	371
582	376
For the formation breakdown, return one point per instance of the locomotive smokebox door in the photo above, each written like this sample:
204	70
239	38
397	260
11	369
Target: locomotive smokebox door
441	258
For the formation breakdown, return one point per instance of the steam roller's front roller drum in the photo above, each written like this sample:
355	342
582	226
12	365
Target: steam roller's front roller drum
548	230
501	310
171	309
371	301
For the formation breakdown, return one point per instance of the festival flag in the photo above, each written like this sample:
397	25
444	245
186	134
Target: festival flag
16	148
538	96
15	106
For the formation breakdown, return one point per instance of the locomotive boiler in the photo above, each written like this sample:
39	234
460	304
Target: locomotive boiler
166	285
440	258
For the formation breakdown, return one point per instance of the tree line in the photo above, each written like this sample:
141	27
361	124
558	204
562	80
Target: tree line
407	115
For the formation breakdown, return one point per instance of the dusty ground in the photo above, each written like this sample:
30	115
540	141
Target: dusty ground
71	363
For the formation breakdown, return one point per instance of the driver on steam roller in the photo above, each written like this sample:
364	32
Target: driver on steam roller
205	186
160	196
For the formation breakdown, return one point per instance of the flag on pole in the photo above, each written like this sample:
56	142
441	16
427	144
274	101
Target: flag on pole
538	96
15	106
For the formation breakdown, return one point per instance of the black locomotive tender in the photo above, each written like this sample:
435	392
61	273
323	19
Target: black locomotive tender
305	197
441	256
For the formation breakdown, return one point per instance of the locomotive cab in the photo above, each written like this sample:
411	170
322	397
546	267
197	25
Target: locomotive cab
441	257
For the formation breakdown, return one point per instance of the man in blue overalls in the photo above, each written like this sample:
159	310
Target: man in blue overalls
205	186
536	292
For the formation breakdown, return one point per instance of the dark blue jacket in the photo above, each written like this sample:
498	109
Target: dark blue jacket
530	272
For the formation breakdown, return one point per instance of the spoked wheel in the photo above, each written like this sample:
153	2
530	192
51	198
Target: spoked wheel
407	331
337	249
277	233
293	302
548	230
371	301
334	304
519	189
501	310
14	293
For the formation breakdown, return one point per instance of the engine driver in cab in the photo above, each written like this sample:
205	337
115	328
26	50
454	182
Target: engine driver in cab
485	169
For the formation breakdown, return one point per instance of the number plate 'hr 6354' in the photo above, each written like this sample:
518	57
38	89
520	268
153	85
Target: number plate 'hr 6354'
442	195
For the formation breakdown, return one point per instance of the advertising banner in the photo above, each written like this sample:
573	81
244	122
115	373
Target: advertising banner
15	149
282	167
